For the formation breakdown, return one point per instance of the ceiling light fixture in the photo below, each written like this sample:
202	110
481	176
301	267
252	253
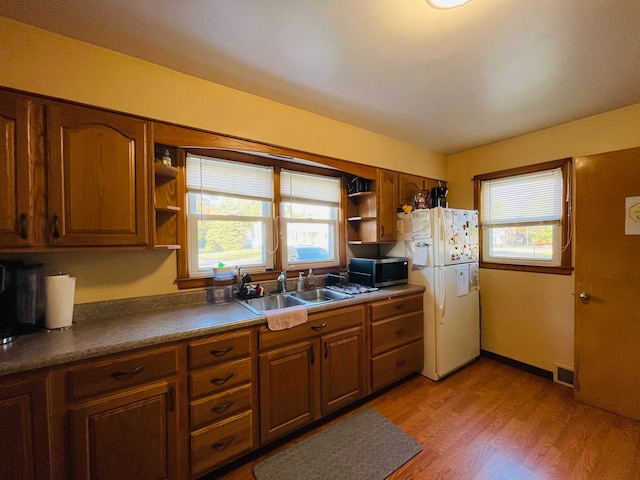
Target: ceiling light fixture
447	3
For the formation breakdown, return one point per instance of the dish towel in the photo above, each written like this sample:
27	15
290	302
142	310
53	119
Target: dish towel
283	318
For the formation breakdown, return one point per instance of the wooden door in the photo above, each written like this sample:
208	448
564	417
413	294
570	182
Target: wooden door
607	343
342	369
16	165
288	388
388	202
97	178
24	448
132	435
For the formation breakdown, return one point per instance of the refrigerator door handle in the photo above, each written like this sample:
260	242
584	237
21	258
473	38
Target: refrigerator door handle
442	297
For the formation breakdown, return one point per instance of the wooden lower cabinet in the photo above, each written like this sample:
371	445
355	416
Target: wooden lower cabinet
24	447
222	393
131	435
310	370
396	333
288	388
118	417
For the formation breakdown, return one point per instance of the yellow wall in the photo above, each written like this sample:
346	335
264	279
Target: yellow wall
41	62
527	316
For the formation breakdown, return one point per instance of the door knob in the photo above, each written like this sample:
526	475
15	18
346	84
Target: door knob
584	296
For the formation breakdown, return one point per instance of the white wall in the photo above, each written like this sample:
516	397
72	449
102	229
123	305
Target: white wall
528	316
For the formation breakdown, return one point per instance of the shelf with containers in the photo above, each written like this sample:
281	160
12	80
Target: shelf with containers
167	201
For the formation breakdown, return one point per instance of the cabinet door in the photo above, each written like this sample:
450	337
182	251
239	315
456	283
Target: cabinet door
130	435
24	449
17	151
408	188
342	369
288	388
388	199
97	178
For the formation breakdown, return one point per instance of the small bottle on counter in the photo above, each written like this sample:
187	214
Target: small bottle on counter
311	280
300	284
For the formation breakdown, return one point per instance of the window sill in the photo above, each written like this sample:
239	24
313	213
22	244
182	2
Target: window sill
527	268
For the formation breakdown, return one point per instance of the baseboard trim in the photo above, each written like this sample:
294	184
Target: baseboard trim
516	364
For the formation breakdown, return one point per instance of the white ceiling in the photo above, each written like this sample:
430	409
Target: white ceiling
446	80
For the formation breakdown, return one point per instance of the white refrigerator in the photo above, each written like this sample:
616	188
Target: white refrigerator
442	245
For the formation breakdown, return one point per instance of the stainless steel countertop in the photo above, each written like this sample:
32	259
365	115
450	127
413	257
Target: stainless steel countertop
97	337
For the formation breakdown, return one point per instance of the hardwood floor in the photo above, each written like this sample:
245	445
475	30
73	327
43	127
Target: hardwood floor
490	421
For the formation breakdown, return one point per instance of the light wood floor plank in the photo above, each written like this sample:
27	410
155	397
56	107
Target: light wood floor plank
490	421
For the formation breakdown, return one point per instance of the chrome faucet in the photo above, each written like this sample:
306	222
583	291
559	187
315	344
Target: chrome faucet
281	281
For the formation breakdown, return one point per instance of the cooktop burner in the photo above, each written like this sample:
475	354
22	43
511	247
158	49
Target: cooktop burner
351	288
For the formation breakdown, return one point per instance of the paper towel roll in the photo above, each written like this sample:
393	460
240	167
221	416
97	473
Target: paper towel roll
60	291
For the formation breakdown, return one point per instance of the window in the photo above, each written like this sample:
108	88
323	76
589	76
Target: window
524	217
237	216
229	212
309	207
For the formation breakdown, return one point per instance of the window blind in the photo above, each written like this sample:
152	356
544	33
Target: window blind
295	186
529	199
222	177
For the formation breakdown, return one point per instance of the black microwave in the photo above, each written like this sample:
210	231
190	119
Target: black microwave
379	272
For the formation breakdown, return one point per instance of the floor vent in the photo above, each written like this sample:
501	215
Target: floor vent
564	375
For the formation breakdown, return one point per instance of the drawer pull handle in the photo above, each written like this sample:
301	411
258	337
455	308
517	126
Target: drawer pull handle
222	408
222	444
222	381
400	332
400	363
127	375
221	353
317	328
400	306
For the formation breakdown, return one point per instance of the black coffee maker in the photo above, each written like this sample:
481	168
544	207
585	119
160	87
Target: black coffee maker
22	300
439	197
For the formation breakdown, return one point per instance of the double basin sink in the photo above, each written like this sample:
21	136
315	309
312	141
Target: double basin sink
283	300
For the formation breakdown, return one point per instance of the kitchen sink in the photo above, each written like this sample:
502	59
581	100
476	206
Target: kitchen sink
284	300
320	295
272	302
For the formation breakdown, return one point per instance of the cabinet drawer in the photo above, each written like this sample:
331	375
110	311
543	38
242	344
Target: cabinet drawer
219	349
395	306
317	324
217	407
214	445
396	364
108	375
220	378
395	331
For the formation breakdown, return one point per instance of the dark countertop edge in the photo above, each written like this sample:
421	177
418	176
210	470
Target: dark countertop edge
125	333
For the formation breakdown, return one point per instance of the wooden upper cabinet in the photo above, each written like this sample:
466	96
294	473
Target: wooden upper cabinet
388	201
408	188
20	150
98	193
